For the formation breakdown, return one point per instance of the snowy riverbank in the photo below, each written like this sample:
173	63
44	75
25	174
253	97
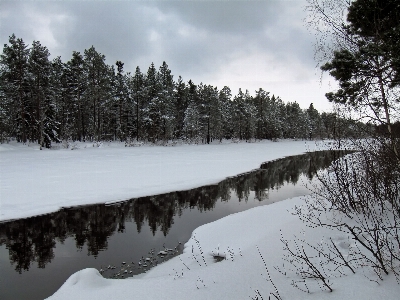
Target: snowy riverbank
197	276
34	182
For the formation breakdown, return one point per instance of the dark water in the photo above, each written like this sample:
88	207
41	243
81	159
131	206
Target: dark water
38	254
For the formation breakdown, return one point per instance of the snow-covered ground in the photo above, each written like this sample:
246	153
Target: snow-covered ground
243	275
34	182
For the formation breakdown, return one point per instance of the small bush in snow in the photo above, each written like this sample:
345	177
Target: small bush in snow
358	199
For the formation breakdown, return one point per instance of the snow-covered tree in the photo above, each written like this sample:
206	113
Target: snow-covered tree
137	89
62	103
313	122
85	98
152	113
261	100
15	89
215	124
166	102
121	106
181	102
98	91
43	126
239	115
76	86
192	125
207	100
244	116
225	108
296	120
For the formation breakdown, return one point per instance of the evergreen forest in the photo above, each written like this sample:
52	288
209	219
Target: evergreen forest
49	101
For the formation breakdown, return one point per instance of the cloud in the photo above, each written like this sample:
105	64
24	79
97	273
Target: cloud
225	17
34	21
248	43
289	79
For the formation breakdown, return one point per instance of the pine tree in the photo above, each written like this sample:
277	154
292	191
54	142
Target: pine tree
281	123
260	102
214	129
225	108
192	124
328	123
98	93
250	117
166	102
15	89
121	106
153	107
59	94
204	110
76	82
137	91
5	122
181	102
295	121
44	126
238	115
367	66
208	111
313	121
244	116
276	118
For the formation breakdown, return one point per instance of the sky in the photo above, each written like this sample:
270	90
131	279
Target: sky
245	44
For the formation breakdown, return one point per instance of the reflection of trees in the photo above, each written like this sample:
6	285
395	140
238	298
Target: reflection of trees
21	248
274	174
33	240
157	210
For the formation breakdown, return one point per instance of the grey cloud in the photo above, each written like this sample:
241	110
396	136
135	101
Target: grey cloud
117	30
12	21
234	26
226	17
195	38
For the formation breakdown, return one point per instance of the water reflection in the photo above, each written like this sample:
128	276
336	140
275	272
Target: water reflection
34	240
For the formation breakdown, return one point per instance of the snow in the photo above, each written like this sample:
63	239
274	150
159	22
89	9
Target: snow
34	182
198	276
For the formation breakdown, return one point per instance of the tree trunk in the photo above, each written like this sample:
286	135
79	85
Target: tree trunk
387	115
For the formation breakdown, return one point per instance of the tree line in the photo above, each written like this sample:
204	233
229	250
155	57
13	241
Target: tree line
85	99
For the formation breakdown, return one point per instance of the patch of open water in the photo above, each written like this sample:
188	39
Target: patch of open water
38	254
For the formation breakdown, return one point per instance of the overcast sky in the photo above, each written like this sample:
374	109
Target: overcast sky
240	44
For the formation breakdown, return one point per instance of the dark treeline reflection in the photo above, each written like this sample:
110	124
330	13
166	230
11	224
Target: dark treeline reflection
34	239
